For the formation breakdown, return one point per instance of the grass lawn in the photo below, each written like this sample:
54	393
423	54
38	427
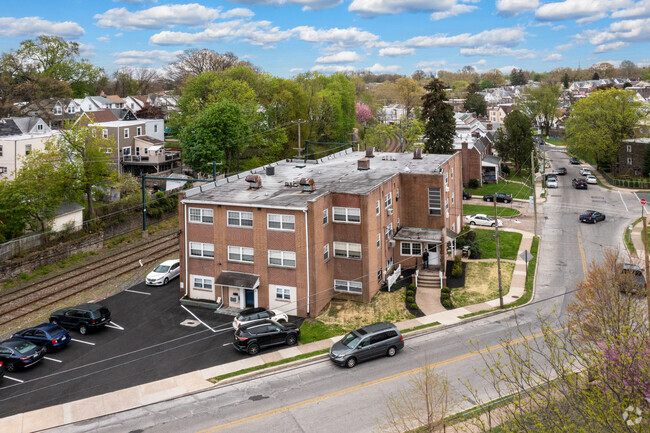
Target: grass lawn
340	317
556	141
517	190
482	283
508	244
470	209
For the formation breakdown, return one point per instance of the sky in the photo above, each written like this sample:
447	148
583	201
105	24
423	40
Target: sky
287	37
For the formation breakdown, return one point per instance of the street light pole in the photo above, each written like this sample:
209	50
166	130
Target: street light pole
496	234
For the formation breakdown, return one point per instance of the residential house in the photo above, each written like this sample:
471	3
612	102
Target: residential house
19	136
149	156
136	103
497	114
392	113
95	103
474	140
294	235
630	156
116	102
68	215
53	111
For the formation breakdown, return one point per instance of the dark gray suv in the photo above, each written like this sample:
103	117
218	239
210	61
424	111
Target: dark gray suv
84	317
372	341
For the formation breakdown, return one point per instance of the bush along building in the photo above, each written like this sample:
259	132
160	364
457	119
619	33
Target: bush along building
295	234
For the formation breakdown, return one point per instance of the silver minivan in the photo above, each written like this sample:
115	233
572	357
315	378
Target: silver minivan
372	341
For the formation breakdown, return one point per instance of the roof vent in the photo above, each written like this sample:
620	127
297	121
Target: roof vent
270	171
254	181
417	153
307	184
370	152
363	164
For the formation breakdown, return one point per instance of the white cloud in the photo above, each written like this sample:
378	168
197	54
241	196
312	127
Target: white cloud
307	5
640	9
452	12
344	38
158	17
296	70
625	31
258	33
511	8
332	69
564	47
372	8
135	1
488	50
497	37
604	48
341	57
557	28
481	62
583	11
35	26
396	51
86	50
431	64
553	57
237	13
506	70
139	58
119	35
103	39
381	69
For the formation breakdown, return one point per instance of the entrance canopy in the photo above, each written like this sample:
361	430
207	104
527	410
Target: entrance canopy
414	234
239	280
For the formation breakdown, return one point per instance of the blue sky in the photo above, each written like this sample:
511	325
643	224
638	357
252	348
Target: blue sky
286	37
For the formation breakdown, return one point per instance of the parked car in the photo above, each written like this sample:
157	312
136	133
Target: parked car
254	336
560	171
550	176
590	178
482	220
500	196
552	182
17	353
579	184
164	272
591	216
466	195
253	314
48	335
638	283
2	370
585	171
574	160
378	339
84	317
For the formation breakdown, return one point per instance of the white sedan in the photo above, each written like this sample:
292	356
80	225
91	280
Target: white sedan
482	220
591	179
551	183
165	271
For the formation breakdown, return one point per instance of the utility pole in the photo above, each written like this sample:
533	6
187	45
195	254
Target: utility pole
647	258
299	149
532	176
496	234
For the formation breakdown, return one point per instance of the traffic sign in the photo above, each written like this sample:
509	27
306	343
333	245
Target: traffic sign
643	201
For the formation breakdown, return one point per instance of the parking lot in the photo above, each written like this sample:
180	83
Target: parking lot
152	337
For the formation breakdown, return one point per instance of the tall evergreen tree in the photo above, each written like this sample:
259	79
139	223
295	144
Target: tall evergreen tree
438	117
565	80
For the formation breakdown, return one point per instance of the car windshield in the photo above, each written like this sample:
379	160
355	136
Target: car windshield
161	269
351	340
24	347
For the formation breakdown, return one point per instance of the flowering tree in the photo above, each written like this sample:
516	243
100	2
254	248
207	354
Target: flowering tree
364	113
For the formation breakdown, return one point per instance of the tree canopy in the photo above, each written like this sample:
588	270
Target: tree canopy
438	118
541	103
514	141
475	103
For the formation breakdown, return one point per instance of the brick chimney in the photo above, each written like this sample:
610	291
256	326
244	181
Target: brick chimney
489	126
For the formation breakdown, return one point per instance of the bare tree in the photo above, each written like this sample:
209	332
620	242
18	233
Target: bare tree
193	62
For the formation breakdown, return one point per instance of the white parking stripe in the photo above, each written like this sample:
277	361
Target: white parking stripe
84	342
202	322
227	344
135	291
52	359
114	326
13	378
626	209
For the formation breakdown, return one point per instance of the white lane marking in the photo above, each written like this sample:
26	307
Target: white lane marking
143	293
202	322
227	344
84	342
13	378
52	359
114	326
626	209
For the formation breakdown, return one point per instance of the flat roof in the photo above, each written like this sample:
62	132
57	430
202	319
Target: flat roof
336	173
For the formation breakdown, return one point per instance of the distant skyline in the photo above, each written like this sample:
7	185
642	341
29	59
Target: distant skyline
287	37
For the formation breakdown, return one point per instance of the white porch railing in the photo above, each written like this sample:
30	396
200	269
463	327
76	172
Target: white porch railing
440	275
394	276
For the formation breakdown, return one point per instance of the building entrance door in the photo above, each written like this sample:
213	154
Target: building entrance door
434	257
250	298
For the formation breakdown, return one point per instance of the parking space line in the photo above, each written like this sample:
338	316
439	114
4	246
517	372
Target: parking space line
13	378
84	342
114	326
202	322
52	359
227	344
138	292
626	209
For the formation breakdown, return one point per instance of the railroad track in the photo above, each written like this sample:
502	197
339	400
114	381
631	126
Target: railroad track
28	299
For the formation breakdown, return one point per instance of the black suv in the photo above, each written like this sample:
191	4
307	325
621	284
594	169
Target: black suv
500	196
83	317
264	333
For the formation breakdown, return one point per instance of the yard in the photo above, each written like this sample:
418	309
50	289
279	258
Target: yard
508	244
482	283
517	190
471	209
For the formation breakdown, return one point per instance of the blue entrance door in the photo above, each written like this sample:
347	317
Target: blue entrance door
250	298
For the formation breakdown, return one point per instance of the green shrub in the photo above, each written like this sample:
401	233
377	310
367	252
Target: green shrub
414	306
409	293
412	286
410	299
445	290
505	169
457	269
473	184
447	303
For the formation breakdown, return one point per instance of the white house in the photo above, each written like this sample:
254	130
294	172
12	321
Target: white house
19	136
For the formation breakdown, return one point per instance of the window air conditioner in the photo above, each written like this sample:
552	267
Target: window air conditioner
234	299
389	211
446	189
391	243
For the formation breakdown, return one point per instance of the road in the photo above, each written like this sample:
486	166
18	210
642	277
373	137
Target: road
320	397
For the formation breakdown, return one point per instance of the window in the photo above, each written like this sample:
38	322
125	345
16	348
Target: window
389	263
379	275
105	133
39	127
411	249
282	294
629	148
629	161
388	200
447	205
28	149
145	150
108	150
378	208
347	250
155	128
0	150
347	214
389	231
281	222
241	219
240	254
446	178
202	283
126	132
452	173
200	249
93	132
137	150
286	259
200	215
326	218
57	110
126	151
326	252
452	197
453	227
397	195
434	201
348	286
138	130
378	240
3	170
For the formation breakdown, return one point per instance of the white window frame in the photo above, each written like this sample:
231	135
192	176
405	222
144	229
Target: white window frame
407	249
346	213
138	131
435	210
388	200
326	217
388	231
629	161
452	173
286	222
452	197
346	286
378	208
629	148
446	178
239	253
199	215
126	132
3	169
126	151
39	127
326	252
0	149
28	149
237	215
349	248
378	240
282	293
204	282
285	258
397	194
204	250
104	133
446	204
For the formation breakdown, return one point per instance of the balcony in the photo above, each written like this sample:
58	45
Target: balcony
154	158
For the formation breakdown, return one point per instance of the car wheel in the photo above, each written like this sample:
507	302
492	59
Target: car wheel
391	351
351	362
472	223
253	349
11	367
83	330
282	321
492	225
291	340
54	321
166	281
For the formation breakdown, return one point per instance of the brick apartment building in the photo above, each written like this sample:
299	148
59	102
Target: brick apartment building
630	156
294	235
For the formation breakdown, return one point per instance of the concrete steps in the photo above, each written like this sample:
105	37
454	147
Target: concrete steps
428	293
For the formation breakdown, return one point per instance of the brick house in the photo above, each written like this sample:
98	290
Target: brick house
295	234
629	158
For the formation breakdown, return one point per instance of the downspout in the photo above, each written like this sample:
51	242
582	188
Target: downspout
119	155
307	255
187	283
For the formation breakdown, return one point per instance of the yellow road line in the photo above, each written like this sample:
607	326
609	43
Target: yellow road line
582	255
359	387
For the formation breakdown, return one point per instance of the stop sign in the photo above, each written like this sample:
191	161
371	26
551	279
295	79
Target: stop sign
643	201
